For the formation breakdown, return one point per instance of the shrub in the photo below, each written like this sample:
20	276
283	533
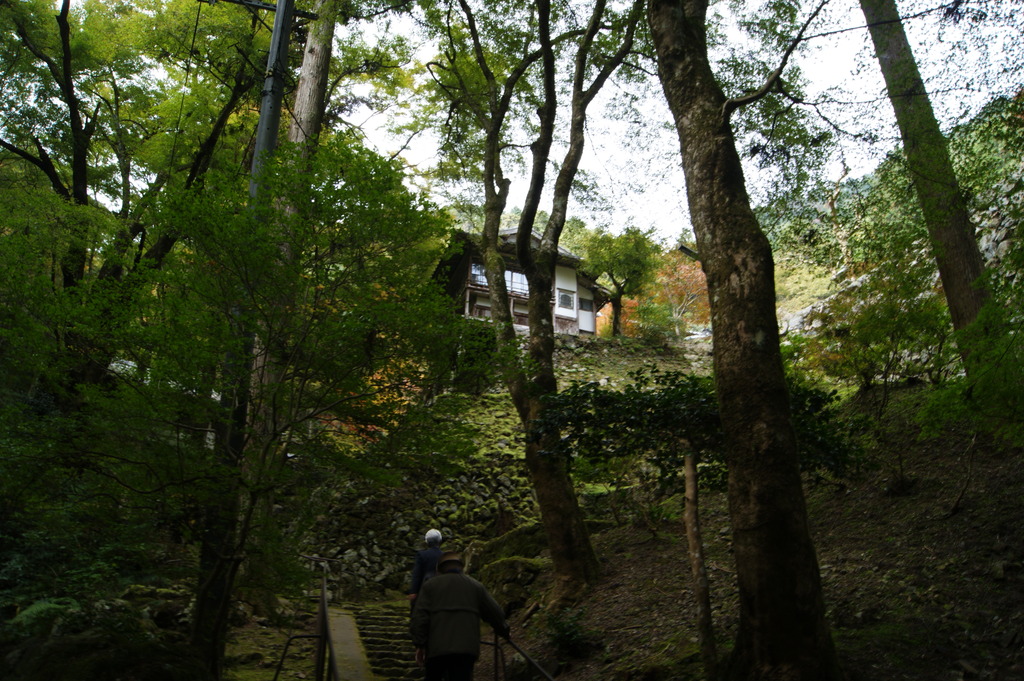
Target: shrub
39	618
887	326
567	633
990	398
652	322
636	439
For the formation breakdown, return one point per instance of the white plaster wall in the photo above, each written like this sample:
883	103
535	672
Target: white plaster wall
565	278
587	320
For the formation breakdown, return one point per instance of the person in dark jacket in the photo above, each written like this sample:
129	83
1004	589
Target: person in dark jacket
445	623
425	565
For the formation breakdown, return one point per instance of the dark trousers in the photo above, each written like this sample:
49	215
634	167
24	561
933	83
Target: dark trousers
450	668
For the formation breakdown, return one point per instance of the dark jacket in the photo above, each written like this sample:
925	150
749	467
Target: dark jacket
424	568
446	618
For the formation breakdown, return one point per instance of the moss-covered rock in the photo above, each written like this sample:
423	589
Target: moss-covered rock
527	541
167	608
101	656
509	580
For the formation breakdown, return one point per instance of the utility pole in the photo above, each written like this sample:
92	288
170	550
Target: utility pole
273	83
220	553
273	91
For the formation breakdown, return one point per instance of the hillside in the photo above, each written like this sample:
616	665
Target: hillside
921	553
922	571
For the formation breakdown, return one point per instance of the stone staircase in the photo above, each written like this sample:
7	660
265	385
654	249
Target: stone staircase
384	631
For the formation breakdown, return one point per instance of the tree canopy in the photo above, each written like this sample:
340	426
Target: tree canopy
625	262
178	355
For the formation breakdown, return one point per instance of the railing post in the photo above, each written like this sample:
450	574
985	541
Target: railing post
495	665
324	656
322	631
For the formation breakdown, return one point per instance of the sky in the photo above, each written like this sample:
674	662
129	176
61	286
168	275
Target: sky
637	167
634	160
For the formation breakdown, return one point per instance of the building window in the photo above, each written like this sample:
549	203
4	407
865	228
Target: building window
477	275
566	300
586	305
516	282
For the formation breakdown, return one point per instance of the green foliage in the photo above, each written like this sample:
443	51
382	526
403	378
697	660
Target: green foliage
126	105
990	398
800	284
100	655
574	236
625	262
653	322
888	326
827	450
39	618
788	145
888	322
112	398
987	399
485	79
458	86
986	153
859	223
473	358
636	438
69	527
567	633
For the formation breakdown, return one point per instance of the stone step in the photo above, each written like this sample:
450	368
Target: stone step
385	619
378	630
384	632
369	640
382	657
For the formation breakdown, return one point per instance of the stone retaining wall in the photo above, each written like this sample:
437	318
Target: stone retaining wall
370	532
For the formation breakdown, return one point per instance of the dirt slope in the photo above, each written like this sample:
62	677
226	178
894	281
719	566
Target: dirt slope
923	570
923	579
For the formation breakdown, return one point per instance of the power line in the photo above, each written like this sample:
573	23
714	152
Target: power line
263	5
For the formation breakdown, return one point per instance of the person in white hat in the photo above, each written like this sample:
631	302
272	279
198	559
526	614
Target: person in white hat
426	564
445	623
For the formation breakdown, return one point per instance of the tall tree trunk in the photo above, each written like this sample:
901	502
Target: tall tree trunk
218	566
931	170
270	415
698	568
243	440
616	302
575	563
311	93
220	531
576	566
782	632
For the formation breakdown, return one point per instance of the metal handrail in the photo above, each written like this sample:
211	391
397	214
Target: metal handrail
284	654
325	660
499	658
324	648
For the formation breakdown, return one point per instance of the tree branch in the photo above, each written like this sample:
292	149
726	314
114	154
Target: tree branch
43	162
773	79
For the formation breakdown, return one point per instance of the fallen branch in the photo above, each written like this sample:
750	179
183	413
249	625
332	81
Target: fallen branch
955	508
